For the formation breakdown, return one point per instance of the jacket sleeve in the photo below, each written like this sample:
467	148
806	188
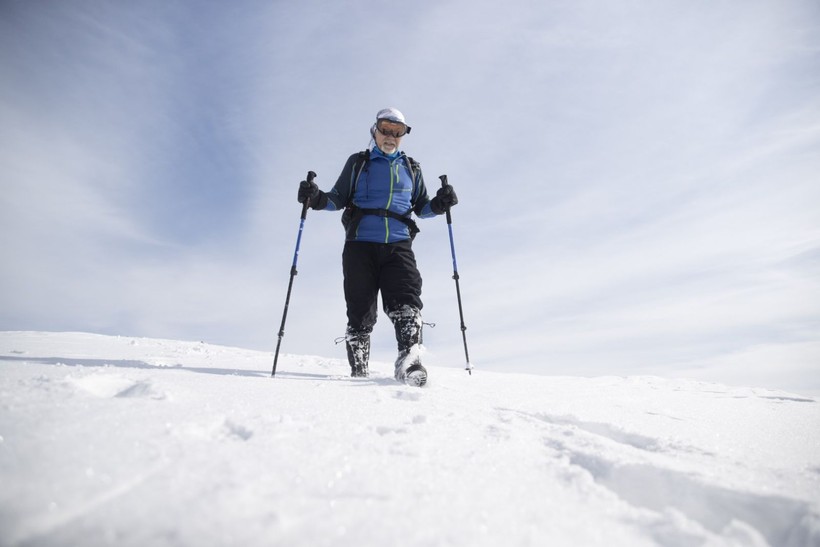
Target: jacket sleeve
341	193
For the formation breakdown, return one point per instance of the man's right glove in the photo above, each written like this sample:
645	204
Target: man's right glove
445	198
309	192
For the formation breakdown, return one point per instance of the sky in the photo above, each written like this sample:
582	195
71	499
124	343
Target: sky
638	182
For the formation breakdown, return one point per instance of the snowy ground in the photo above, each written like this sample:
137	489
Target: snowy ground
138	442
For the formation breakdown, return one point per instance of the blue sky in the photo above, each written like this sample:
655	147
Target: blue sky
638	181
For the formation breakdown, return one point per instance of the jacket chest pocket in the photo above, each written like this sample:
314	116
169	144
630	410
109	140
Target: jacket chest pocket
401	180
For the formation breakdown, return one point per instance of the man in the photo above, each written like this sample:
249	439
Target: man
379	189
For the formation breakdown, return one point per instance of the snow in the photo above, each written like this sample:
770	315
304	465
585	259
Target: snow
134	442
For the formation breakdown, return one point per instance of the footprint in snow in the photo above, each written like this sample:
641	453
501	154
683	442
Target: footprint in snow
752	518
221	429
408	395
108	386
385	430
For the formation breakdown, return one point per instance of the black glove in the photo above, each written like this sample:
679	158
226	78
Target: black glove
445	198
309	192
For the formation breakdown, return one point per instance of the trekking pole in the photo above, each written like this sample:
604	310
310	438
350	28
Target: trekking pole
310	176
469	367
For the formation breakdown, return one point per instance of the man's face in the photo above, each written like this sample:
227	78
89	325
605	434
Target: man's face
388	135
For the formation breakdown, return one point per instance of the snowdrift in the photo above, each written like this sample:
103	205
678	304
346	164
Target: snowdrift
136	442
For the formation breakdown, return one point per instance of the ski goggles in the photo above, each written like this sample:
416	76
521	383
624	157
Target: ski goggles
389	128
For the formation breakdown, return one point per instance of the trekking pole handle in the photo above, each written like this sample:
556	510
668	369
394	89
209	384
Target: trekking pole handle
310	176
444	184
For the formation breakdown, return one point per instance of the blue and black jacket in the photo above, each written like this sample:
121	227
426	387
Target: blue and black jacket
380	192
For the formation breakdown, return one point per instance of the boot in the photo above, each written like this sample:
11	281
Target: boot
407	322
358	353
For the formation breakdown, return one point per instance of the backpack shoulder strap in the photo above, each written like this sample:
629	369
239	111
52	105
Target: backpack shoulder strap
359	166
363	158
412	165
414	168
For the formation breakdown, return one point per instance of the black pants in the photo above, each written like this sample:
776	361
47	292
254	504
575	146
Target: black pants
373	267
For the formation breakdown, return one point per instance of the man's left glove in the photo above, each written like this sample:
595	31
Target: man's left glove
309	192
445	198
